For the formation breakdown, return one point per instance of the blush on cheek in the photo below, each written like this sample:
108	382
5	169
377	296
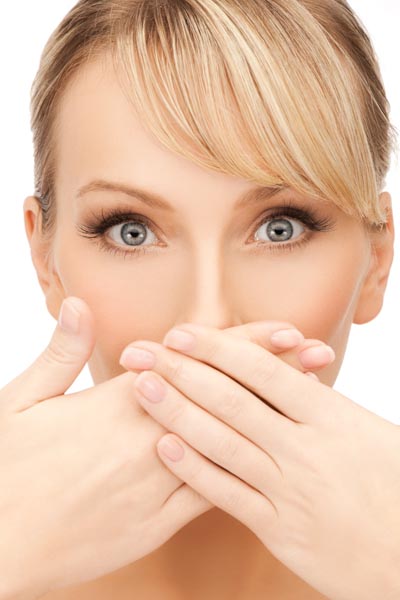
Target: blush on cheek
129	309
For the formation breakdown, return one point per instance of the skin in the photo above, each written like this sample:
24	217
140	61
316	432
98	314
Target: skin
318	482
202	272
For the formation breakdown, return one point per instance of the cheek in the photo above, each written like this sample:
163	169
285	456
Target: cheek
317	291
316	299
130	299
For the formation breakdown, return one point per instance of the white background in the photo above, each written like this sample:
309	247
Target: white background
369	371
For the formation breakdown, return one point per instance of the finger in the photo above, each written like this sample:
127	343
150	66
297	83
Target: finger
314	354
282	338
230	402
210	436
275	336
221	488
181	507
265	375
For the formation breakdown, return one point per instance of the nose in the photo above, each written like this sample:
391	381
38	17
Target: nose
209	300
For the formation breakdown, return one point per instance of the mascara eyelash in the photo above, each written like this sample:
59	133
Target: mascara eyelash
304	215
107	219
99	225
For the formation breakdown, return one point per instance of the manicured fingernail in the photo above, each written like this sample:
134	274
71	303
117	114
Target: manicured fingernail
317	355
179	340
69	316
150	386
136	358
171	449
287	338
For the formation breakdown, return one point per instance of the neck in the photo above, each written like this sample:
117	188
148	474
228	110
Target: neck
216	556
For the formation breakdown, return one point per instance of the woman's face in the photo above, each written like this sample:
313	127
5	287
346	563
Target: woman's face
202	263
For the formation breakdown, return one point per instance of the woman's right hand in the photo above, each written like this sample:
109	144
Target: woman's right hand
83	491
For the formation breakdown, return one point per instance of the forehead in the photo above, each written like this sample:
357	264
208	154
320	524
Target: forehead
100	137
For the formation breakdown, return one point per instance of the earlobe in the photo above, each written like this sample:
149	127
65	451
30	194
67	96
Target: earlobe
372	294
42	257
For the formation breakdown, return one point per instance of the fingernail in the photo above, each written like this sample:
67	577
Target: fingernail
69	316
287	338
179	340
171	449
136	358
317	355
151	387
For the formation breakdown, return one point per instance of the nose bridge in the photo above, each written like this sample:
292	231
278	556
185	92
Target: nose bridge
208	301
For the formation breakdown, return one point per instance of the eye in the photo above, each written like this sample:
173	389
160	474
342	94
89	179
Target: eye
127	230
132	233
280	229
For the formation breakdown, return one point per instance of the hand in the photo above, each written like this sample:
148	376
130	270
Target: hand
83	491
315	476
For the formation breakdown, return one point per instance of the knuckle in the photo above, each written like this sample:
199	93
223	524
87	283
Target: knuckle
195	499
225	450
195	474
263	368
175	413
175	369
231	501
231	405
56	353
213	348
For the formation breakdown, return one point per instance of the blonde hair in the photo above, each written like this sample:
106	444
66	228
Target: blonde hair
280	92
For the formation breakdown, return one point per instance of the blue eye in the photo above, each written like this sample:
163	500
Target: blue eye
132	233
281	230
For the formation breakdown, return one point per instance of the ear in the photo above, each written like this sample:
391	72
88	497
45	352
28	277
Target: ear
42	257
372	293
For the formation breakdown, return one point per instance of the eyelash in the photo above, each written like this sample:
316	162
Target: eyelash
99	225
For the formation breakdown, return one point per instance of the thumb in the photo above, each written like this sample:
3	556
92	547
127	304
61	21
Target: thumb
57	367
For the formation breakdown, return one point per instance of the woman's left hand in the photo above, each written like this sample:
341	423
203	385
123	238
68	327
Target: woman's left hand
314	475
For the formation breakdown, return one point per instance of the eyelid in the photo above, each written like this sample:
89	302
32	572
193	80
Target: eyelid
305	215
98	225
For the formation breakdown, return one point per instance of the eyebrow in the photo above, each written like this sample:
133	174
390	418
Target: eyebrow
154	200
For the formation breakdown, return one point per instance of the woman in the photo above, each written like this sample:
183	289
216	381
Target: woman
216	163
